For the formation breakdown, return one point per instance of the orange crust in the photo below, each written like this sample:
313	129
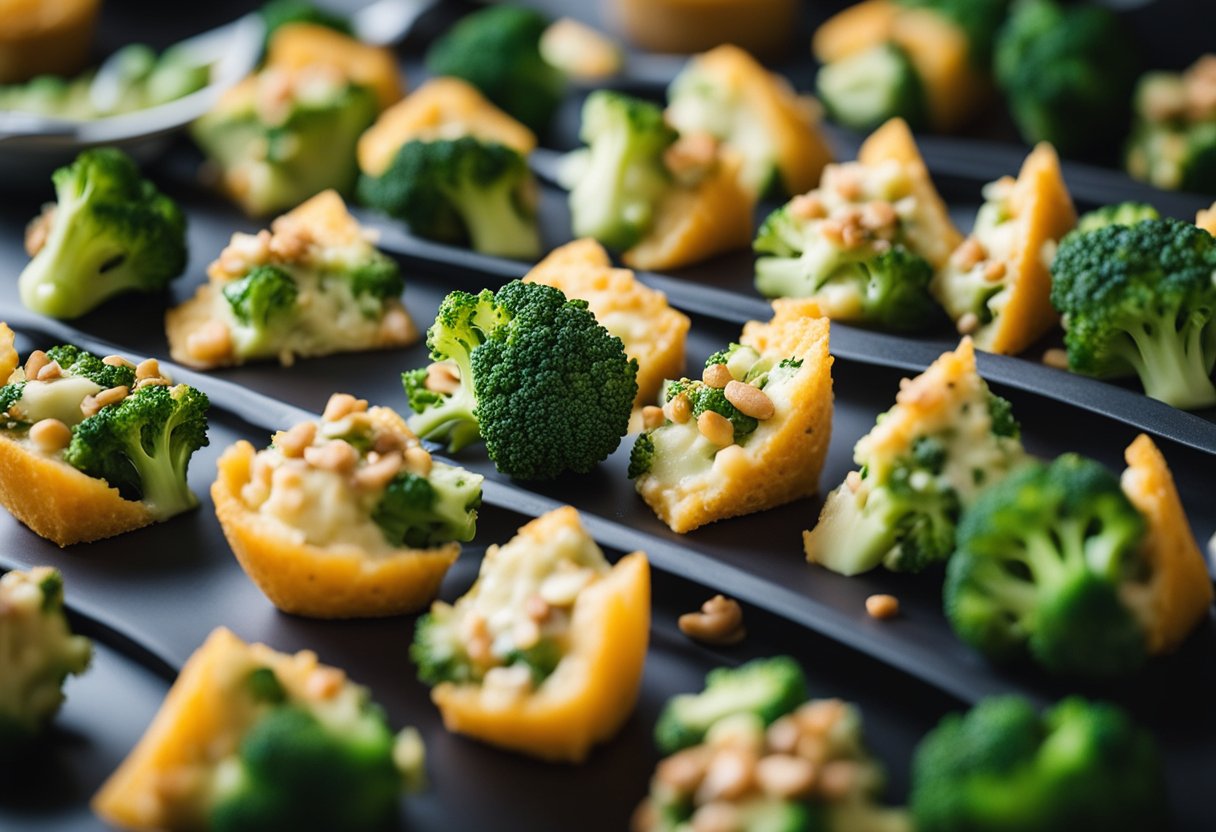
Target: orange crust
295	46
595	687
60	503
1206	219
333	582
1180	593
760	26
694	224
894	142
786	465
1044	211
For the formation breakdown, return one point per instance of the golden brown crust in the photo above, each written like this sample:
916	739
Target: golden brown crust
60	503
331	582
1206	219
296	46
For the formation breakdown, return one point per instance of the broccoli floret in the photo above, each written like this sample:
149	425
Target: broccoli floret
437	651
142	446
295	772
10	394
888	288
978	19
641	458
1003	422
541	381
1120	213
378	277
111	232
768	688
426	511
1173	143
866	89
702	397
497	50
278	13
74	361
1067	72
1141	300
1002	766
458	190
617	181
262	302
1042	559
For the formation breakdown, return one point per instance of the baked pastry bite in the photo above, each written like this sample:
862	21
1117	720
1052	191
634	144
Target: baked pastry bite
314	284
252	739
946	438
543	655
40	653
93	447
651	331
1206	219
728	94
750	434
866	242
347	516
996	287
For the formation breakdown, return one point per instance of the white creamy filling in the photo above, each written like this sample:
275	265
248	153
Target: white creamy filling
59	399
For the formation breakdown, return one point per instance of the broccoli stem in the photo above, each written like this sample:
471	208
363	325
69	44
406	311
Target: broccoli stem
1174	364
783	277
454	421
495	223
51	284
165	491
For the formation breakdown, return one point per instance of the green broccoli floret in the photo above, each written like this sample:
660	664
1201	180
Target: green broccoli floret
497	50
702	397
142	446
295	772
978	19
1067	72
541	381
378	277
1043	559
426	511
111	232
768	688
1002	766
887	286
641	458
1173	142
263	303
1120	213
866	89
457	190
437	650
1141	300
10	394
617	181
74	361
278	13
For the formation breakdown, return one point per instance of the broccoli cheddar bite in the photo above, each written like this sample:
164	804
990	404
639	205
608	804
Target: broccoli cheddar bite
250	739
749	435
866	242
93	447
652	332
347	516
544	654
109	231
40	653
947	438
996	286
311	285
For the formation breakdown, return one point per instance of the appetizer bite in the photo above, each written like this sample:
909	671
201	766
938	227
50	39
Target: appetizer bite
750	434
750	753
1206	219
252	739
866	242
651	331
1063	564
1139	300
729	95
532	373
347	516
93	447
543	655
313	284
40	653
996	286
109	231
1173	142
639	187
38	37
945	440
1004	767
289	131
454	168
925	61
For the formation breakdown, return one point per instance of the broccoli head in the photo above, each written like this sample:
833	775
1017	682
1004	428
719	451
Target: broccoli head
262	302
1140	300
1044	561
457	190
765	688
540	380
1002	766
617	181
703	397
497	50
420	512
111	231
867	89
142	446
74	361
1068	72
1120	213
1173	142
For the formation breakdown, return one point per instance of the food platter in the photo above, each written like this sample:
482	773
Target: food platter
150	597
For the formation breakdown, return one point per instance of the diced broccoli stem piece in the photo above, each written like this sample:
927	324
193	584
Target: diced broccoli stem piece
866	89
1174	359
